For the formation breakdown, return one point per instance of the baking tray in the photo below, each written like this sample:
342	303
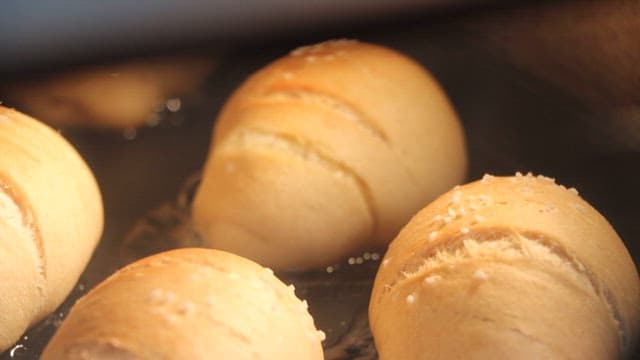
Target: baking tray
513	120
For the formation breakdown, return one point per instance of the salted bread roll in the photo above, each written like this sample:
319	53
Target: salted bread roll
189	304
506	268
324	152
50	221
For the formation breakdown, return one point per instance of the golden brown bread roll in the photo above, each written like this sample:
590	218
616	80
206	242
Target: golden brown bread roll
506	268
50	221
189	304
324	152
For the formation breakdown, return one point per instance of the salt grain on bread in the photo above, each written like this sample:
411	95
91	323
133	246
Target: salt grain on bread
324	152
539	274
50	221
189	304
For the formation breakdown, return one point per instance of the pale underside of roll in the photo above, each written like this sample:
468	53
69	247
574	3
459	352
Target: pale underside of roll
506	268
189	304
324	152
50	221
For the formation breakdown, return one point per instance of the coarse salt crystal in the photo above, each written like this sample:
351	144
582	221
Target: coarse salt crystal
433	235
300	51
546	178
487	177
479	275
464	230
321	335
155	294
430	280
411	299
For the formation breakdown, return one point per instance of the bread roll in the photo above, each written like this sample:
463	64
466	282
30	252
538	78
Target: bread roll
189	304
324	152
506	268
50	221
112	96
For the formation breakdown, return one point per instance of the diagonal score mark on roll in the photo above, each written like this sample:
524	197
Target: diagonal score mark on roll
257	139
533	246
20	216
346	110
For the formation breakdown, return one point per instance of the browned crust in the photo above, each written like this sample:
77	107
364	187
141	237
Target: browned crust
29	220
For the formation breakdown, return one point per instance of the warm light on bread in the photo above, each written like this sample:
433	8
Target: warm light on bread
506	268
324	152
